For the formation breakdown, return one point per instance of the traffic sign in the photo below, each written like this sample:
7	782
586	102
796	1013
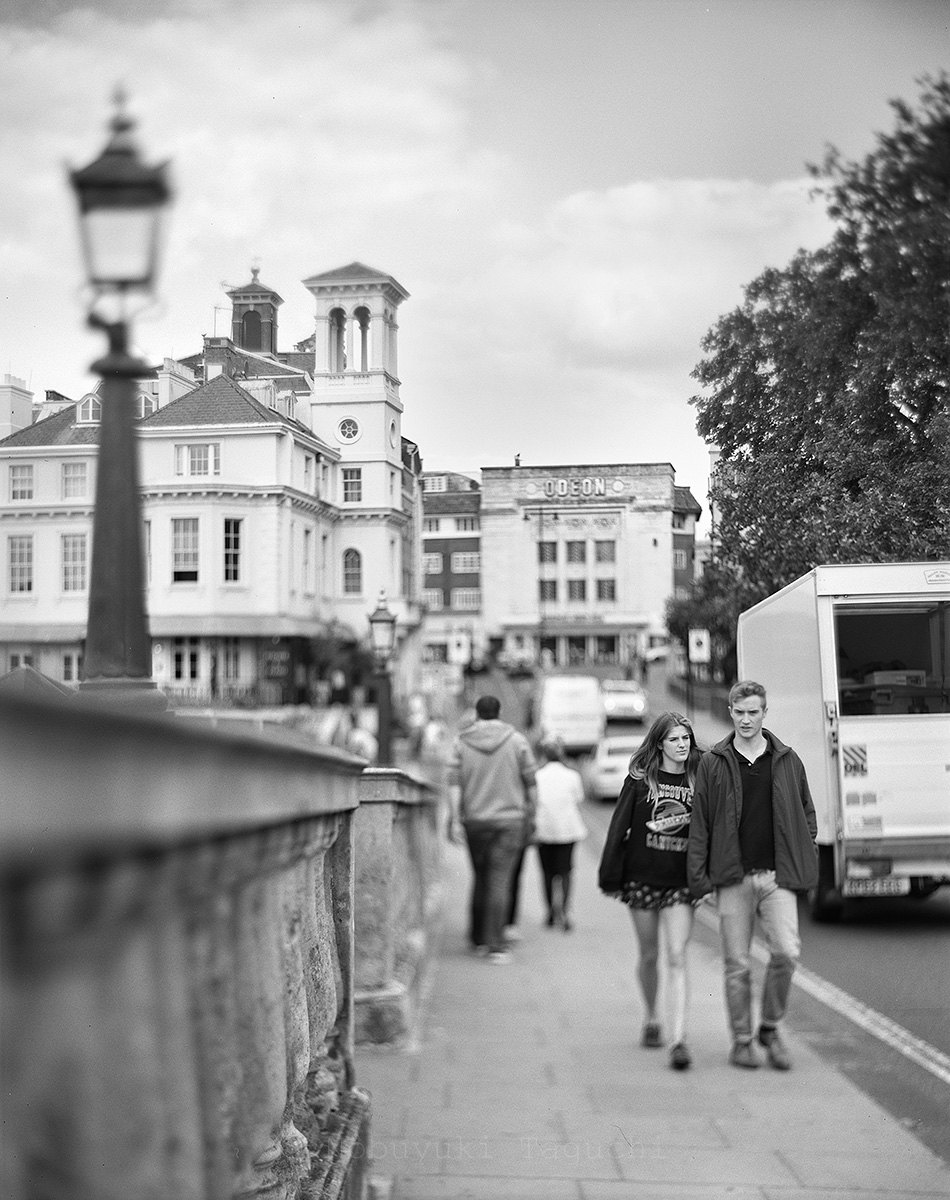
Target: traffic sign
699	648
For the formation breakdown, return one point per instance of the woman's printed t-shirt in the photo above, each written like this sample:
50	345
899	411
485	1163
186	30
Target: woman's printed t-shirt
659	833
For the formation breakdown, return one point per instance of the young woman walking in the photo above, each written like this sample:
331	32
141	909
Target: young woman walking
644	865
559	826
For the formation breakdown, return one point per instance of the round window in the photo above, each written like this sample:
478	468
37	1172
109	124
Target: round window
348	430
392	433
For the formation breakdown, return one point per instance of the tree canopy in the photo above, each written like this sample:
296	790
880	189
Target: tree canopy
827	390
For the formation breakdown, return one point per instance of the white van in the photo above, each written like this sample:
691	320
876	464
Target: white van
571	707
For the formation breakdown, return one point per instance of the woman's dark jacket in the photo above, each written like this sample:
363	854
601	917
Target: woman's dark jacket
713	858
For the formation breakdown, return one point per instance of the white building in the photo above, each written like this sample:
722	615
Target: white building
278	502
578	561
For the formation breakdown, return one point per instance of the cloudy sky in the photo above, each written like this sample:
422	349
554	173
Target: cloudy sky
572	191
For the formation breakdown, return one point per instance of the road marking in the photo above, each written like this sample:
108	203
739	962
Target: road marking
869	1019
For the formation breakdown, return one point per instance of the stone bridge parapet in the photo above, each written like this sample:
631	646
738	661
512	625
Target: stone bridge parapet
179	967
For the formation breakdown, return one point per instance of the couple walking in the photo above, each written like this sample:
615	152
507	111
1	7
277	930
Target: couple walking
736	822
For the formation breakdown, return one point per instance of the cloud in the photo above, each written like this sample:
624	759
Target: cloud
575	338
307	135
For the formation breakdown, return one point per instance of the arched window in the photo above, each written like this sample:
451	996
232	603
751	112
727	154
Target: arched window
352	572
251	330
337	355
363	319
89	411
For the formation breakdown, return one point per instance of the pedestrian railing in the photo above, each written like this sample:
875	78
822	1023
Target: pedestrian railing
179	967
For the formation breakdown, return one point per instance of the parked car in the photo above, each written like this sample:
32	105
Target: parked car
516	663
606	769
624	700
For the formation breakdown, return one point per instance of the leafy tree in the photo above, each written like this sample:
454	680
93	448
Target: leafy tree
715	606
828	389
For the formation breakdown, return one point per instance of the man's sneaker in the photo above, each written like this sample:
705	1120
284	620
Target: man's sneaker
680	1057
774	1048
499	958
651	1036
511	933
742	1055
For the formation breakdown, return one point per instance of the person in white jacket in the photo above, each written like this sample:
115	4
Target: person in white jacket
558	827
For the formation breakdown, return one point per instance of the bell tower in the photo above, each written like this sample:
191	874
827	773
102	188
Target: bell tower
355	406
355	401
254	315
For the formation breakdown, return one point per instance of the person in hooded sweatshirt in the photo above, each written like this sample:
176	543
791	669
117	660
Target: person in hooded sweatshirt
493	799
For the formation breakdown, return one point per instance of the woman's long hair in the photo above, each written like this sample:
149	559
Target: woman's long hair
647	759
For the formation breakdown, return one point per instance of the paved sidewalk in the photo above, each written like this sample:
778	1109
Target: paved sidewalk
527	1081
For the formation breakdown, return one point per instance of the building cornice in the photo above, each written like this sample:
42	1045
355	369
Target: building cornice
39	512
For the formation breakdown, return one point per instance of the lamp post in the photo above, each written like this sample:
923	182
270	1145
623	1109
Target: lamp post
382	627
120	202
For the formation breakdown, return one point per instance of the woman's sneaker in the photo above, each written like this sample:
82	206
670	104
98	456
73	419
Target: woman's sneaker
680	1057
651	1036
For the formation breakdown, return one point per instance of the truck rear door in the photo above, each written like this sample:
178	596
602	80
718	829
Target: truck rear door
894	741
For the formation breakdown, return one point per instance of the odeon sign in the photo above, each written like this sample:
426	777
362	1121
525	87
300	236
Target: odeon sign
589	486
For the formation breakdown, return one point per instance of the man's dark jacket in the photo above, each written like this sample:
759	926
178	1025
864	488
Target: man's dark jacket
713	858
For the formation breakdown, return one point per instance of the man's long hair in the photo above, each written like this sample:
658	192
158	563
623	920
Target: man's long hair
647	759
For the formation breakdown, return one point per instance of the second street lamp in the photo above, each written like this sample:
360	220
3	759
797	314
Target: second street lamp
120	202
382	627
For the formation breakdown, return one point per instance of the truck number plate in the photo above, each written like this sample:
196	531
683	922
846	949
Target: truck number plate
892	886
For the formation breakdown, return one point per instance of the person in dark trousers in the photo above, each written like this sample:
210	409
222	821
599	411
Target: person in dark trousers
559	826
752	843
492	799
512	932
643	863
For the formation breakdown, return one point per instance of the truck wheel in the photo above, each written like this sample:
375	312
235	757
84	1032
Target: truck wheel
921	889
827	903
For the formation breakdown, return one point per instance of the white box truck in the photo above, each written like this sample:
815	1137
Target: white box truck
856	663
571	708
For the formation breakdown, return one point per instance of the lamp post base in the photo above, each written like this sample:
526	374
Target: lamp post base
131	695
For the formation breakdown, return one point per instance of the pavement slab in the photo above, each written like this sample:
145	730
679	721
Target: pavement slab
527	1080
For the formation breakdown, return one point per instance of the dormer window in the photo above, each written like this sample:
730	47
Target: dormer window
89	411
145	405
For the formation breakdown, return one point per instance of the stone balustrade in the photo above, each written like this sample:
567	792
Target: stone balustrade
179	971
399	835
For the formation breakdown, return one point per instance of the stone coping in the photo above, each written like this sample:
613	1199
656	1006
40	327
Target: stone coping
77	778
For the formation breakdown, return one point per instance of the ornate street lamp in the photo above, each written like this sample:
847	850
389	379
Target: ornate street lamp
382	628
120	202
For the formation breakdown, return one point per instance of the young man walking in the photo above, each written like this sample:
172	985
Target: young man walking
752	843
493	800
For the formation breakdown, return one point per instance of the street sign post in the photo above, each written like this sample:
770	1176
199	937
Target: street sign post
698	650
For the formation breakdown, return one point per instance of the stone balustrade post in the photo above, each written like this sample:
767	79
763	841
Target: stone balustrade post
396	889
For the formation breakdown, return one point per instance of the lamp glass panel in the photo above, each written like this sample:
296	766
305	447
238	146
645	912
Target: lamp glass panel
382	630
120	244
